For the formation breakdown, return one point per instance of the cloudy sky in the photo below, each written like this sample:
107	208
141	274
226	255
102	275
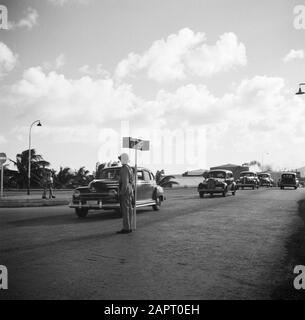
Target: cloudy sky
206	81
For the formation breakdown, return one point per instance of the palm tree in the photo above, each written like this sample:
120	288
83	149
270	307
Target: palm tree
165	181
38	164
64	178
82	177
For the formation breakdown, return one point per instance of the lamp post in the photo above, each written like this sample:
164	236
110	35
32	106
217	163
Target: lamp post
29	168
300	89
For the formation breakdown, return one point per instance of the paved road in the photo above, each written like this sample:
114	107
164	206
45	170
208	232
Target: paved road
212	248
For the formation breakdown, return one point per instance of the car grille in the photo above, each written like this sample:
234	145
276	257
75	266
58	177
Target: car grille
211	184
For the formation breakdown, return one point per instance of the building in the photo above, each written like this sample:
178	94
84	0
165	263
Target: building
236	169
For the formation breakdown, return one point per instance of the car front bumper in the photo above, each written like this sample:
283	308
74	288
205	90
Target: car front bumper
94	206
220	190
245	185
291	185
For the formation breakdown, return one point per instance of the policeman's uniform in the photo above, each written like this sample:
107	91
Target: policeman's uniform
126	197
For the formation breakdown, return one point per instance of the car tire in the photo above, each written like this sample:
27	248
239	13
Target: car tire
157	206
233	193
295	188
224	193
201	194
211	194
81	213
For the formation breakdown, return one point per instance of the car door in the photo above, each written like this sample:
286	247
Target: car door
140	185
147	186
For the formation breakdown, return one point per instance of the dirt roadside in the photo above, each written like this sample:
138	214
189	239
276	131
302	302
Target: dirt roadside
295	247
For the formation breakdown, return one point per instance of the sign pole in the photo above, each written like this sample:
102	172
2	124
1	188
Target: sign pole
2	172
135	196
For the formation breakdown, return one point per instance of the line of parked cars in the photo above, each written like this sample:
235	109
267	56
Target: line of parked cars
222	182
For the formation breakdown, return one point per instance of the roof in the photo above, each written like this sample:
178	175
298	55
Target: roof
228	165
289	173
228	171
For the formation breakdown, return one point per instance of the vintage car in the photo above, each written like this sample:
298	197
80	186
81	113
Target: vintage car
289	179
265	179
248	179
217	181
103	193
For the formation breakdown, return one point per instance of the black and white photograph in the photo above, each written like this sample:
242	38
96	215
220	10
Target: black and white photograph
152	150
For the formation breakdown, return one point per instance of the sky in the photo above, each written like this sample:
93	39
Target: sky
207	82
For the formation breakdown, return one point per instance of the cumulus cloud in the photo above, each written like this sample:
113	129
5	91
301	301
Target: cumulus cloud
73	100
2	139
294	54
57	64
60	61
8	59
63	2
185	54
97	71
255	110
29	21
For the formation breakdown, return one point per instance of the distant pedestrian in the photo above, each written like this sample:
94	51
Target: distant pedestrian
126	193
48	185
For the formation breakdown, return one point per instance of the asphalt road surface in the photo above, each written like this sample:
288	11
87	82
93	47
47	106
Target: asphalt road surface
212	248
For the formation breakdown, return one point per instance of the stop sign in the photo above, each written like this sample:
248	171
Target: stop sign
3	158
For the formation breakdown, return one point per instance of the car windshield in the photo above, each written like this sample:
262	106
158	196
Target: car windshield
112	174
264	175
217	174
247	174
288	176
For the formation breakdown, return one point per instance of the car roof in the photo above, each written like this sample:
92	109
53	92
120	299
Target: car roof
265	173
221	170
289	173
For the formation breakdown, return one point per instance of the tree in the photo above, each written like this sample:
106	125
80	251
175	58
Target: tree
64	178
38	164
165	181
82	177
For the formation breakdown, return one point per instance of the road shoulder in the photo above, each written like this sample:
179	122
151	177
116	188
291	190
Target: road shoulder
295	247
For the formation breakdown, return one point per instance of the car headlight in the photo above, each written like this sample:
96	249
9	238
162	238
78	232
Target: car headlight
92	188
76	193
112	193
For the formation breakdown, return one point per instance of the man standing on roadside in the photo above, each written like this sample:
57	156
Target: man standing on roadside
47	185
126	192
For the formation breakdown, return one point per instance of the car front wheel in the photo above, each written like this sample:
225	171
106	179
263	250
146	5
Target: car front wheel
81	213
201	194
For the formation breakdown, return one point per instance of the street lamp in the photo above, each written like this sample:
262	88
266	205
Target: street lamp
300	89
29	169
